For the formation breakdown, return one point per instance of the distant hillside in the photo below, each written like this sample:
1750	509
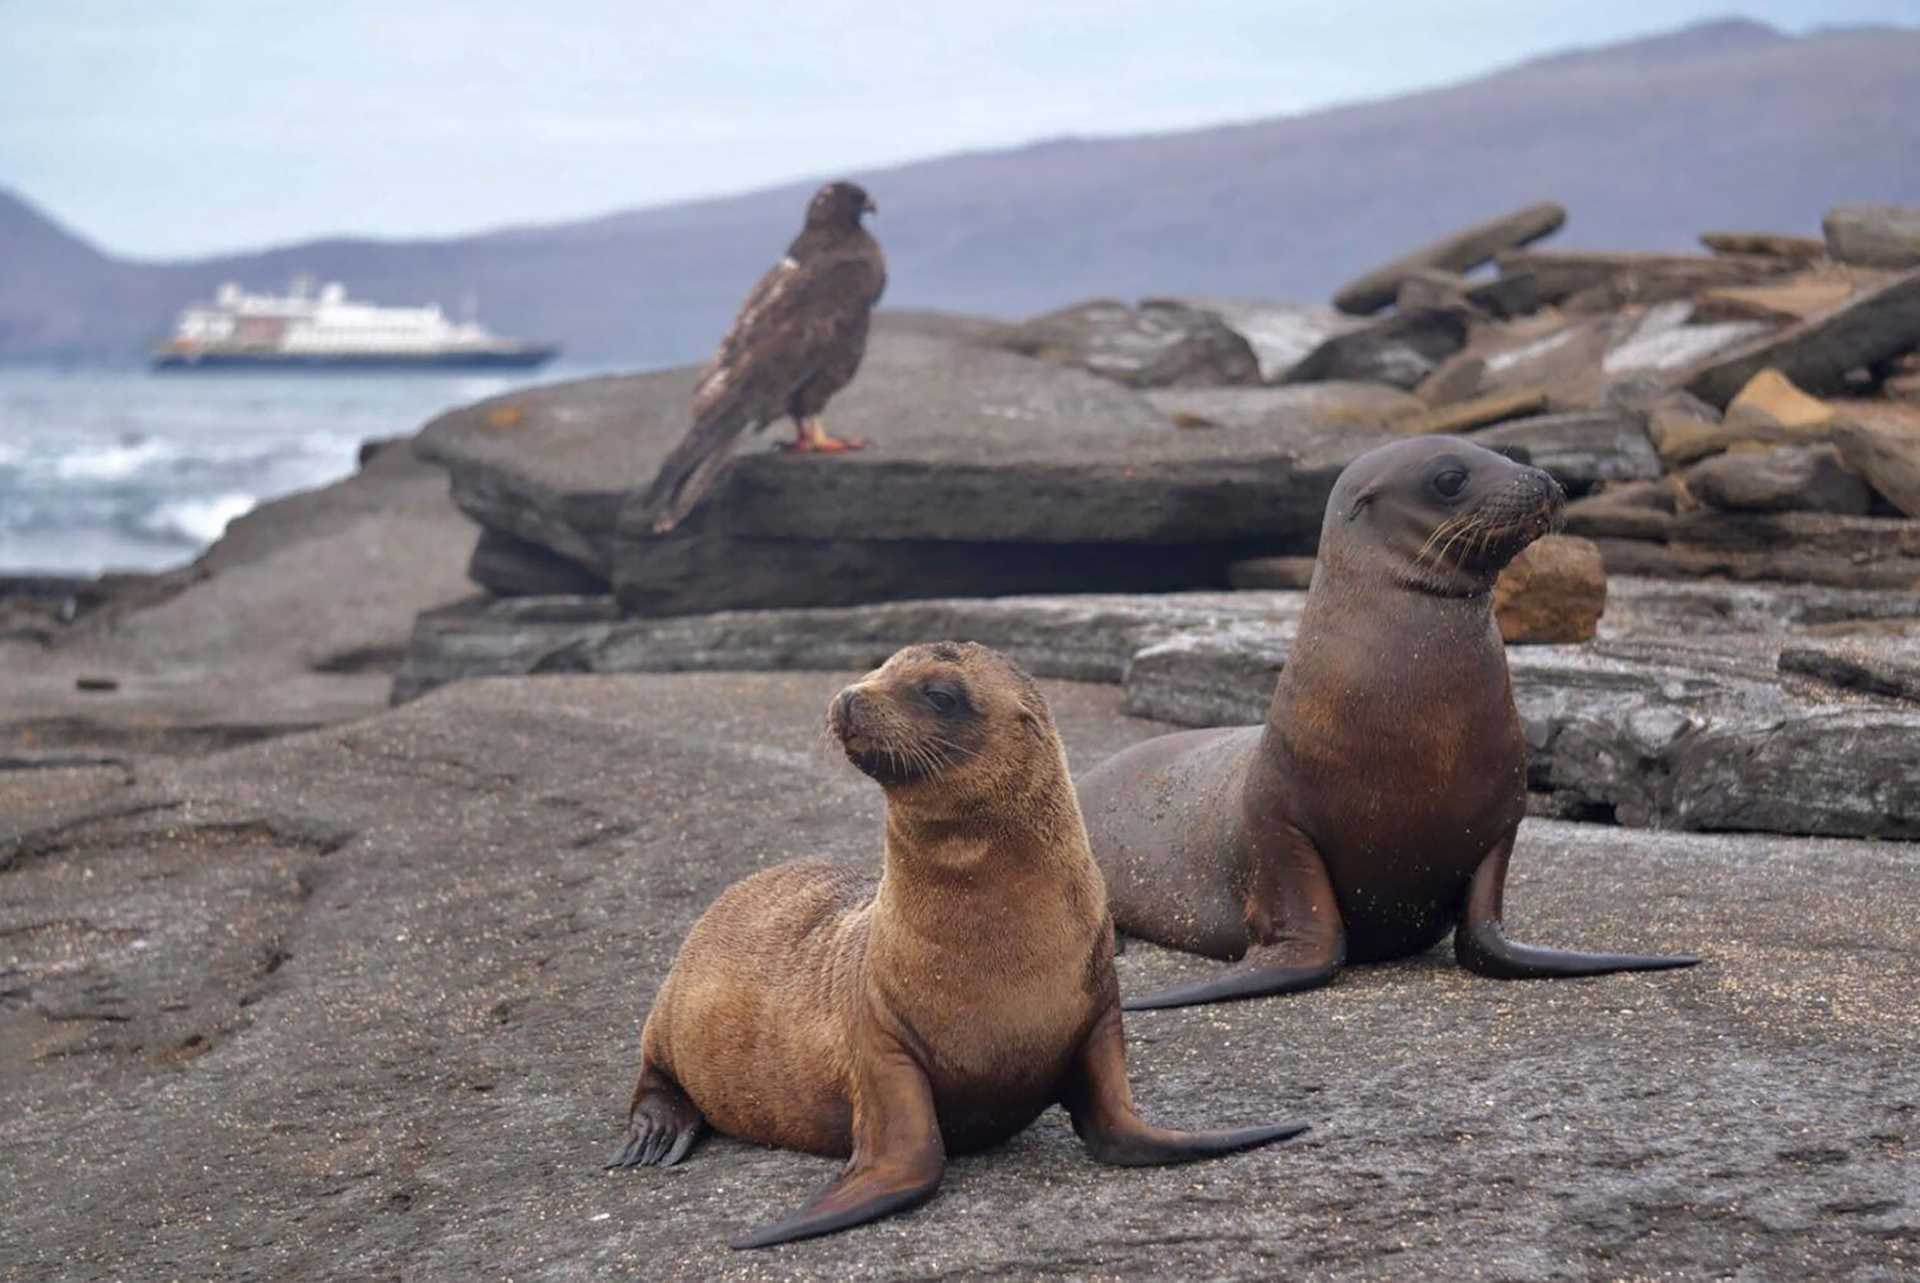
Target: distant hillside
1728	125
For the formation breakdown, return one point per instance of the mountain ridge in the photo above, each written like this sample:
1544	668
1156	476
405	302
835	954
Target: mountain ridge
1647	141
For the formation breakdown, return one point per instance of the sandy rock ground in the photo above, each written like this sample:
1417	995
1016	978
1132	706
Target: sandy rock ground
364	1002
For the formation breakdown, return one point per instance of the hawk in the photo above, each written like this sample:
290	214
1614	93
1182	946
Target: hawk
798	340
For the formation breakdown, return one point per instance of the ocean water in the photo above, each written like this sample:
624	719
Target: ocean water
123	469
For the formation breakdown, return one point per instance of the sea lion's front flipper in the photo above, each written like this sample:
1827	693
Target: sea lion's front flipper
1101	1104
1294	923
1481	945
898	1156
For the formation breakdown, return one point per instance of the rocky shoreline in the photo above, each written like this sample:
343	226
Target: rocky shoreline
296	983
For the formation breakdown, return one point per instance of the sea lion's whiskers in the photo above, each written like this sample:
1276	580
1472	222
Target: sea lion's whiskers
1443	529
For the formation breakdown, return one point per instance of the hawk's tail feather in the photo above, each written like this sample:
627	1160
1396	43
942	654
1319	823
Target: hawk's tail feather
687	473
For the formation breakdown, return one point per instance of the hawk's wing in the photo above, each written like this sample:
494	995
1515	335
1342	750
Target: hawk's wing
797	320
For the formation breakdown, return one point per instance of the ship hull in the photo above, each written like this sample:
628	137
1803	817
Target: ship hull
526	358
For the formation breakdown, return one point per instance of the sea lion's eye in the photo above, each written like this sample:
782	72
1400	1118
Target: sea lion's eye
1451	482
942	701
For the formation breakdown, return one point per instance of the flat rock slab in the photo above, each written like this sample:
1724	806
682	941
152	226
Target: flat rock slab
1637	727
1818	353
1875	665
973	448
366	1002
1333	405
1785	547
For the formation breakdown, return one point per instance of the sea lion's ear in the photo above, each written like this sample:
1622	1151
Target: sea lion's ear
1360	502
1034	723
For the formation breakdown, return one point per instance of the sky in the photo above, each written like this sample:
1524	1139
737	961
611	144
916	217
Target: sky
190	127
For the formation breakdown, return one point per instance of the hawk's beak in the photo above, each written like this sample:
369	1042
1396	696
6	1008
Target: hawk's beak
870	207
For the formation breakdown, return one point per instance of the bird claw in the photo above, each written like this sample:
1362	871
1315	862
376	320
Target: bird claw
824	445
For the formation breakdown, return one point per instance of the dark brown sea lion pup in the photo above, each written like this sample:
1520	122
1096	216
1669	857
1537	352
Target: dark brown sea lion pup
1376	809
939	1012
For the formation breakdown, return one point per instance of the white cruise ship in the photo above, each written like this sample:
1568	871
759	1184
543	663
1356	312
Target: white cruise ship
325	329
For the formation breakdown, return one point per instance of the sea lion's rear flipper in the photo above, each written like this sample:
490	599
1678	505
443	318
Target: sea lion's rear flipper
662	1123
1481	945
1101	1104
1294	922
898	1156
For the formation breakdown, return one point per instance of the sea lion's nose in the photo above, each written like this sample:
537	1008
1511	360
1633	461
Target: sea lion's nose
843	715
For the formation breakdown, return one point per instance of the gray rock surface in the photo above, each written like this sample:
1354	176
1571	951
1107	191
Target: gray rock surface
298	616
1581	448
1401	350
1281	334
1461	252
1784	547
1889	461
366	1002
1818	354
1621	728
1874	235
1334	405
1161	343
1883	665
970	447
1666	734
1635	277
1789	479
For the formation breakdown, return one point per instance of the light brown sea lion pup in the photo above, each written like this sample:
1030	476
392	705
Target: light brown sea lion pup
1376	809
939	1012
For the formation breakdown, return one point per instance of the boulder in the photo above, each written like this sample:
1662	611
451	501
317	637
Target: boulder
1889	461
1281	334
1819	353
366	1003
988	473
1554	591
1874	236
1681	426
1401	350
1161	343
1784	479
1461	252
1770	407
1581	448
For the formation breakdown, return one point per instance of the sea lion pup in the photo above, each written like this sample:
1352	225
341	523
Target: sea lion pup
1376	809
937	1013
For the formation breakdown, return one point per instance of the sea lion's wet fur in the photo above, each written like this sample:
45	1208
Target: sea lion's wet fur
987	936
936	1012
1391	771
